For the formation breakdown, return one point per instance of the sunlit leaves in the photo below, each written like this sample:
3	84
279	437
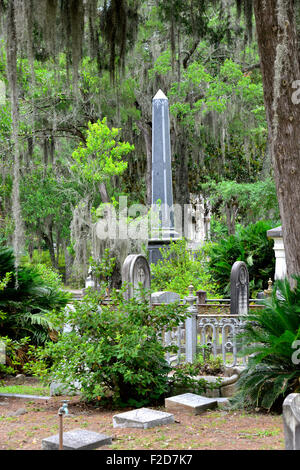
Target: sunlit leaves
101	156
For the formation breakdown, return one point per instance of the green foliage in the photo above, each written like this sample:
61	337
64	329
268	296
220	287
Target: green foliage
25	300
271	338
179	269
104	268
101	157
249	244
50	277
115	352
25	390
251	201
47	200
16	352
185	376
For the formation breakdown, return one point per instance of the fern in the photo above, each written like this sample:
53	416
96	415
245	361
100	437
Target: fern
26	306
268	337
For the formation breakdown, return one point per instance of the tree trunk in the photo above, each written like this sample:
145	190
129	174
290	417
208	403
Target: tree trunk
68	262
103	192
279	56
147	132
48	239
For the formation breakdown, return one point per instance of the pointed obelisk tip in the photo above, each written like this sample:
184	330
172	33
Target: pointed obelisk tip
160	96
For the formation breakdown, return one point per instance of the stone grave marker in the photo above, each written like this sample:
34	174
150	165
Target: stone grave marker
142	418
164	297
162	192
190	402
77	439
135	271
239	289
291	421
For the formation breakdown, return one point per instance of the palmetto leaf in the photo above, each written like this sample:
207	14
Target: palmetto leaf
27	301
268	337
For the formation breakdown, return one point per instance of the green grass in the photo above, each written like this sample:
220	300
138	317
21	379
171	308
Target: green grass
25	390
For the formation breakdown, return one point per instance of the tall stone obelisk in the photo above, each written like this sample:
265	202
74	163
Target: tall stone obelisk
162	192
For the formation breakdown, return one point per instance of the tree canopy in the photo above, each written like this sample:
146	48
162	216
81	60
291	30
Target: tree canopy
71	68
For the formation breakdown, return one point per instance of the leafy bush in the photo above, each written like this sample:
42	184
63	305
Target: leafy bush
16	353
209	366
179	269
115	352
185	375
103	268
27	296
271	337
249	244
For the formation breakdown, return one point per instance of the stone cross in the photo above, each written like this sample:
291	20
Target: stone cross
239	289
162	192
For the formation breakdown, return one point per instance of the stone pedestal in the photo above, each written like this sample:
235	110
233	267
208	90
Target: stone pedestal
280	263
154	247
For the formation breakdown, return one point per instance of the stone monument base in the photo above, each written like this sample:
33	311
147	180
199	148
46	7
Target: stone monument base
154	247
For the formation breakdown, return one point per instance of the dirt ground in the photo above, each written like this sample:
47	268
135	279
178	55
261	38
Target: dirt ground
23	425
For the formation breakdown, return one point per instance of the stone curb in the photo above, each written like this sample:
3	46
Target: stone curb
28	397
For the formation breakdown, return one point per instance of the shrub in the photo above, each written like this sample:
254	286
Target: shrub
115	352
270	337
26	297
16	353
179	268
185	375
251	245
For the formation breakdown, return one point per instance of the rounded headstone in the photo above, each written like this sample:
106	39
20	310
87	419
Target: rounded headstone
239	289
135	274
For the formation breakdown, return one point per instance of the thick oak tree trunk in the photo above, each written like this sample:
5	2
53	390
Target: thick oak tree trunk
279	56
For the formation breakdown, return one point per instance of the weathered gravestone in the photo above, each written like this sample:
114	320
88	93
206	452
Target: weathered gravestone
143	418
162	193
190	402
239	289
164	297
135	273
77	439
291	421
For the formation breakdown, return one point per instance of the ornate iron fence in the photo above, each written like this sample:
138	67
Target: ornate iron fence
215	335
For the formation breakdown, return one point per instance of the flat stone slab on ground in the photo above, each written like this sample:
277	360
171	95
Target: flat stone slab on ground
190	401
143	418
77	439
24	397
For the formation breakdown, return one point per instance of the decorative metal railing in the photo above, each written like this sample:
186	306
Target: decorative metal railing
216	335
219	336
